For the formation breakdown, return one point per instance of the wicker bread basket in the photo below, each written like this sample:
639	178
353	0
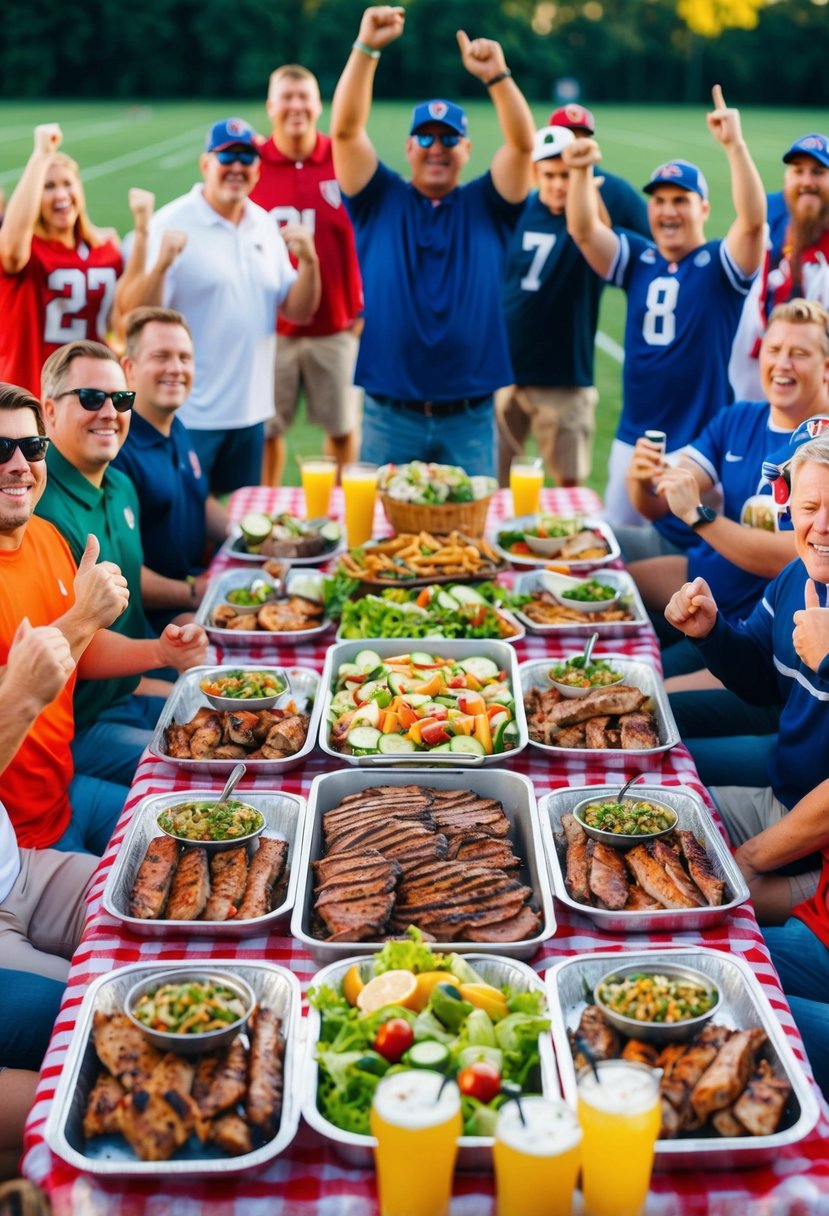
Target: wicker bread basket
467	517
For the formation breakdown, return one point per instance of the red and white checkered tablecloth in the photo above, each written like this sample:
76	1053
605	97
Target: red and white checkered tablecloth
309	1177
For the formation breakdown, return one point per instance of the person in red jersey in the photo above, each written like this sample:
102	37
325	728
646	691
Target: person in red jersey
57	270
297	186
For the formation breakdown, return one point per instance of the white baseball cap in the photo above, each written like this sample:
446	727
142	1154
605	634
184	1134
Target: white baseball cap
551	141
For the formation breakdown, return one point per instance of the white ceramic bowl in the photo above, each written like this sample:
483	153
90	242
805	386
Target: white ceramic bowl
587	605
571	692
237	703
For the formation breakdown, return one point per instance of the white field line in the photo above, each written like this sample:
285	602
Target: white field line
89	173
72	132
606	343
179	158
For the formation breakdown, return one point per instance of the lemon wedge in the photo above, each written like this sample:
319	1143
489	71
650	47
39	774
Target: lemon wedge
390	988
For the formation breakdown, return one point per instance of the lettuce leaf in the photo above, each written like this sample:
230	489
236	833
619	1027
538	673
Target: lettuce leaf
409	954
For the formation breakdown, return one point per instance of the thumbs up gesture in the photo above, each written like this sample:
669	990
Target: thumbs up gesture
811	628
101	591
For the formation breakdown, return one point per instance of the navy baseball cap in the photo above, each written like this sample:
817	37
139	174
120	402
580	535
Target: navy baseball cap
445	112
573	116
230	133
815	145
777	470
678	173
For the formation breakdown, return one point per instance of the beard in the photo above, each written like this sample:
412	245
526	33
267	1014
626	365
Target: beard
807	230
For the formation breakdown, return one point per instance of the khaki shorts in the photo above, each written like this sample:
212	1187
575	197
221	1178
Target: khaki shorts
42	917
563	423
746	812
324	368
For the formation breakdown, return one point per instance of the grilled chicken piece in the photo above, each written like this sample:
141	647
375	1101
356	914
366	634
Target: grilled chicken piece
726	1124
264	1100
239	727
267	866
157	1118
228	876
221	1079
608	877
597	1035
640	901
243	620
688	1066
230	751
727	1076
653	879
595	731
576	863
700	868
206	737
761	1104
152	882
619	699
191	886
668	858
640	1053
285	616
100	1118
570	736
231	1134
223	615
177	741
671	1121
288	736
122	1048
638	731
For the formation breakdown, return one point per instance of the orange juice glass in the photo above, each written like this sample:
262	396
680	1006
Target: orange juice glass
359	482
526	477
536	1162
417	1142
620	1115
318	475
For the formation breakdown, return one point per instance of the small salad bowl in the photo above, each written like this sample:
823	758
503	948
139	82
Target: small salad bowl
624	840
572	666
643	988
233	994
197	827
234	688
551	546
586	595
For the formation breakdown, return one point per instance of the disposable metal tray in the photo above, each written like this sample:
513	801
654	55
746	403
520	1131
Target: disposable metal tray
691	816
532	581
234	548
229	580
744	1005
284	815
573	565
500	652
474	1152
512	617
274	986
638	674
514	791
187	697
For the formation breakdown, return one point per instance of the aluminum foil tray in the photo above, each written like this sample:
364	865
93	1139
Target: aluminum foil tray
234	548
744	1005
575	566
274	986
527	584
229	580
518	798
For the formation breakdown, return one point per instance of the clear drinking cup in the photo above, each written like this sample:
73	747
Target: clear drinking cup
359	482
536	1162
416	1124
526	477
318	475
620	1116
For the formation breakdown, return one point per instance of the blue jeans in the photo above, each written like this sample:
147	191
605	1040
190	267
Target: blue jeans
802	962
111	747
96	808
468	439
730	740
230	459
27	1014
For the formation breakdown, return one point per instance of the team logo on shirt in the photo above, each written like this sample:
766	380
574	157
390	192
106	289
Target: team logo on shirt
702	258
194	464
61	587
816	426
330	191
129	516
649	257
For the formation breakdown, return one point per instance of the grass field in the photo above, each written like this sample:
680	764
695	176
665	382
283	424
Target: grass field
157	147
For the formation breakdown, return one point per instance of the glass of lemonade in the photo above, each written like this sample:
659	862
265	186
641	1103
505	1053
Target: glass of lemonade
417	1128
359	482
526	477
620	1116
318	475
536	1165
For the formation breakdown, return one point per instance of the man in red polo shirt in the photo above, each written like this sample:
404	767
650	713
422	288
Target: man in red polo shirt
297	185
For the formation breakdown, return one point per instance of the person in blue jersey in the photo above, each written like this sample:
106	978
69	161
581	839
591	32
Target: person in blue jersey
766	661
551	306
684	294
431	252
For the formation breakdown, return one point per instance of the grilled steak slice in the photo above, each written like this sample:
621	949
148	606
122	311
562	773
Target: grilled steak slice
359	920
409	852
608	877
760	1106
221	1079
598	1037
515	929
359	888
619	699
727	1076
264	1101
653	879
479	815
231	1134
152	882
638	731
191	886
265	870
378	835
576	863
668	858
228	876
595	731
488	850
346	863
100	1118
700	868
122	1048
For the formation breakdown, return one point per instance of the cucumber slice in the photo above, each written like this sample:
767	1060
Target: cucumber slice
440	747
416	699
495	692
348	669
366	715
364	738
256	528
396	682
482	669
421	659
364	692
465	744
446	600
367	660
506	737
394	745
428	1054
332	532
466	595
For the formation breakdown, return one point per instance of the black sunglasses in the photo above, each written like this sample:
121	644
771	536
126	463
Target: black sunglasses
33	448
94	398
229	156
448	141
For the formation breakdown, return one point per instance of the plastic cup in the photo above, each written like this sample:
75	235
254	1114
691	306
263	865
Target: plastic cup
359	482
526	477
620	1115
659	438
536	1165
318	475
417	1142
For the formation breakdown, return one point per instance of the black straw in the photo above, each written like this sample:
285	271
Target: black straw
513	1094
582	1046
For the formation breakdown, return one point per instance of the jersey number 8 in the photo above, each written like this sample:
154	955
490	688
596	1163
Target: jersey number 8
659	325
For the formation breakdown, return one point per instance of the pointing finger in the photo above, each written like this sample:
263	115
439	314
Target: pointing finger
463	41
719	100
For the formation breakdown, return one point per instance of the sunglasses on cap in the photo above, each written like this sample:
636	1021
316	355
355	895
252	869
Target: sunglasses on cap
94	398
448	140
229	156
33	448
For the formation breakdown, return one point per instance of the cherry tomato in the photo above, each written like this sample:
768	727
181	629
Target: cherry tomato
434	733
393	1039
481	1081
456	682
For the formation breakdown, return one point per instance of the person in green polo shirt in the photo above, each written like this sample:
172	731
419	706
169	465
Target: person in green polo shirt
86	411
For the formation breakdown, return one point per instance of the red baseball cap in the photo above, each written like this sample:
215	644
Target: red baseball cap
571	116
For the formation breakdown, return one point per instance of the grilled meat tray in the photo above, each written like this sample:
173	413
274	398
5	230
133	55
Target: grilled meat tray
532	581
230	580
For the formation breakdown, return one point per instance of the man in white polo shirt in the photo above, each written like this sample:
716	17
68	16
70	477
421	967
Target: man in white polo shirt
220	260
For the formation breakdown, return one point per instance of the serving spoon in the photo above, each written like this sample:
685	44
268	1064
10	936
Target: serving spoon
627	785
233	780
588	650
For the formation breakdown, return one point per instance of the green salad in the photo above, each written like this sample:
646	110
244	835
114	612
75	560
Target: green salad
427	484
574	674
589	592
432	612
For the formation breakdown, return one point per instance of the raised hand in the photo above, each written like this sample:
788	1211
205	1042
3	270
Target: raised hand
582	153
48	138
381	25
692	609
141	204
647	462
811	629
172	243
183	646
300	242
723	122
38	665
101	591
482	57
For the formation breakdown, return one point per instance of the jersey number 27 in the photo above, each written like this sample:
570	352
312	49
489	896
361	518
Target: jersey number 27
63	322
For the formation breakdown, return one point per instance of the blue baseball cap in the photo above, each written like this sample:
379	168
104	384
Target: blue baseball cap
445	112
230	133
815	145
776	469
678	173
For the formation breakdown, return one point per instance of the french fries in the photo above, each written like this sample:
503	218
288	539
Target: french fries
406	557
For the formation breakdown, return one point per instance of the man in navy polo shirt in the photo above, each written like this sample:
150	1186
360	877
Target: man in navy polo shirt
432	255
179	518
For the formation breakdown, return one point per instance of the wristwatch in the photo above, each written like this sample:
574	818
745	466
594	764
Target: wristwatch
705	515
